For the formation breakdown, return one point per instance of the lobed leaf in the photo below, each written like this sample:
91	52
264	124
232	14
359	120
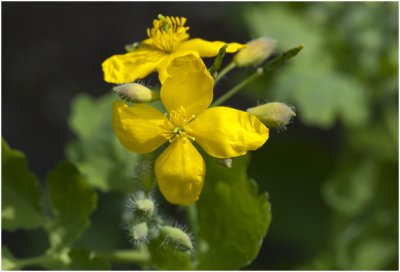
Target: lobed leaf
100	157
21	193
233	217
73	201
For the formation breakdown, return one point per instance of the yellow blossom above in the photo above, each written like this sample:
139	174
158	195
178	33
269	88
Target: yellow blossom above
221	131
167	39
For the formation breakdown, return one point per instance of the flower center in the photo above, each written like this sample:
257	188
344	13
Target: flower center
168	32
176	124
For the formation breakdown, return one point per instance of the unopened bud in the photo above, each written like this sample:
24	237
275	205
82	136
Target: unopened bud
134	92
227	162
144	207
177	238
139	232
274	114
255	52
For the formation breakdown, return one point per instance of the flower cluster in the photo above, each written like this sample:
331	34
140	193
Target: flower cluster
186	94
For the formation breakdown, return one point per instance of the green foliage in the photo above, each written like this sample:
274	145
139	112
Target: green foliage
321	93
106	164
20	192
82	259
345	81
73	201
7	260
167	258
228	239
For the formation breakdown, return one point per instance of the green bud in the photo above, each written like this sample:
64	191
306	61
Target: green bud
139	232
273	115
134	92
177	238
255	52
145	207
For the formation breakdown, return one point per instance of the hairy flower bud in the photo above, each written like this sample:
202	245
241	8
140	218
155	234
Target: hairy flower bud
255	52
177	238
139	232
134	92
145	207
274	114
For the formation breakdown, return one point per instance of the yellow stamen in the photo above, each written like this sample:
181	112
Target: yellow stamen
168	32
175	125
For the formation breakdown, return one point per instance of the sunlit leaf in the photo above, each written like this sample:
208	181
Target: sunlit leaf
233	217
100	157
20	192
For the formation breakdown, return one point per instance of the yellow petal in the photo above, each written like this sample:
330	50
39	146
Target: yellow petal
131	66
189	85
206	48
162	67
225	132
138	127
180	172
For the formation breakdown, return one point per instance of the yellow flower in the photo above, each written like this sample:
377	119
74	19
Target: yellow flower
221	131
166	40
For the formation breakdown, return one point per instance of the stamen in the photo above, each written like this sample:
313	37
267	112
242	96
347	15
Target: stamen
175	125
168	32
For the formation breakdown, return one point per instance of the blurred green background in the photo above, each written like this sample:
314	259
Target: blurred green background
332	176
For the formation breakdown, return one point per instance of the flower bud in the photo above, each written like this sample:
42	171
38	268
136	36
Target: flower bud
177	238
255	52
134	92
273	115
139	232
145	207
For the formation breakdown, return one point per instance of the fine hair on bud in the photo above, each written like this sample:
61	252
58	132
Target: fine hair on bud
139	233
142	206
274	114
135	93
176	238
255	52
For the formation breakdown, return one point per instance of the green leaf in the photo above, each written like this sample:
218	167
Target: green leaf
73	201
312	82
233	217
100	157
7	259
20	192
353	186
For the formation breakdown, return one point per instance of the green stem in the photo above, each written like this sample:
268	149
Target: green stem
191	215
139	256
259	72
35	260
224	71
